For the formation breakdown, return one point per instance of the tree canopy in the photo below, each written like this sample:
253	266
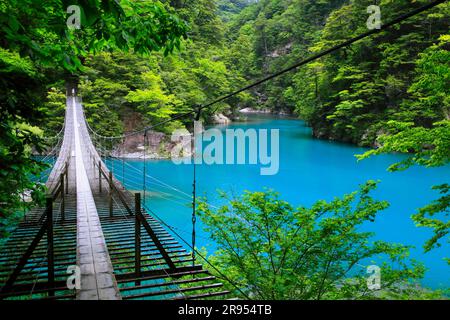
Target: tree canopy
37	53
271	250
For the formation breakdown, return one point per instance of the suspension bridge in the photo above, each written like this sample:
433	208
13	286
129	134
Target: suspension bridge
92	227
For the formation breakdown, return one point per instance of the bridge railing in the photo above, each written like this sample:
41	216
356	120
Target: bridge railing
65	150
139	217
47	228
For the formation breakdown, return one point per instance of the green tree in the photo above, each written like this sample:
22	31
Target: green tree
154	102
37	49
351	94
427	143
54	108
272	250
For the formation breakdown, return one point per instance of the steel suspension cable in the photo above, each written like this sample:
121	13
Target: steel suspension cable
194	196
145	168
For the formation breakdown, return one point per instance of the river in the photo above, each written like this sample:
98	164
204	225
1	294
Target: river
310	170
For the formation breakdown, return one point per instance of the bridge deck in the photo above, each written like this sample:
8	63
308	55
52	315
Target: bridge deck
122	252
97	278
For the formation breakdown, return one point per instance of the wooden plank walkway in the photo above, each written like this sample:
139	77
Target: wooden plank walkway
97	275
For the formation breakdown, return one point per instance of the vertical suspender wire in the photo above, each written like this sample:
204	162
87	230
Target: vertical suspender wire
101	148
194	184
145	166
123	162
107	153
23	200
111	156
194	198
105	148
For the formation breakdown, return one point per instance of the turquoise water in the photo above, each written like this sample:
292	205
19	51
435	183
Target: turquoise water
310	170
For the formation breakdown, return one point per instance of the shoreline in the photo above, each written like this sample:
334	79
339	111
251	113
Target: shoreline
263	111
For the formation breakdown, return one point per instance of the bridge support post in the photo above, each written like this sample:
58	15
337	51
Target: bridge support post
137	236
63	198
110	194
100	176
50	250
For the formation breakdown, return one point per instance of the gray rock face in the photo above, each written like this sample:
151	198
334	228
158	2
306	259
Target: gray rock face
221	119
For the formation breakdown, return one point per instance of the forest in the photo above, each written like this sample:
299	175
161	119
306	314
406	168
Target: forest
139	63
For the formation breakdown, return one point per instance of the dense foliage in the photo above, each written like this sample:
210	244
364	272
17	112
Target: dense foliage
429	143
271	250
38	51
149	90
348	96
351	94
